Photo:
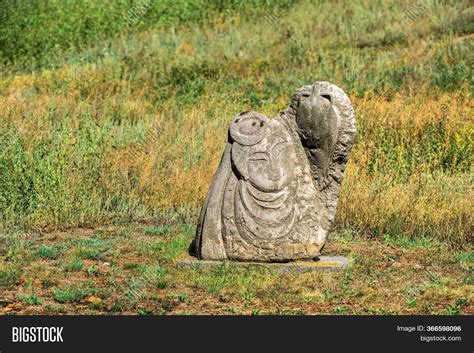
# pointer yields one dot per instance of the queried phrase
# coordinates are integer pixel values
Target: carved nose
(274, 173)
(315, 92)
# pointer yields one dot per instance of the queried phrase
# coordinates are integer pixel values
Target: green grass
(74, 25)
(30, 299)
(384, 278)
(74, 265)
(48, 252)
(68, 294)
(165, 230)
(92, 254)
(74, 293)
(9, 276)
(92, 270)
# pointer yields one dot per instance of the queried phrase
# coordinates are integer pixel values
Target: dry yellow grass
(133, 127)
(410, 171)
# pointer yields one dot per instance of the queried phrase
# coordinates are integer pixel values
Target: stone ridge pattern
(274, 195)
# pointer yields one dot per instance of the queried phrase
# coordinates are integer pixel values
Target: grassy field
(132, 270)
(113, 120)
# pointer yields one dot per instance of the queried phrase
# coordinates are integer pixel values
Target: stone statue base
(322, 263)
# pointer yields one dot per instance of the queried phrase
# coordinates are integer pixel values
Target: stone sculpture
(274, 195)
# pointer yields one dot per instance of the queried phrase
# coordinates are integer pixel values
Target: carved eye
(279, 148)
(327, 96)
(258, 156)
(303, 97)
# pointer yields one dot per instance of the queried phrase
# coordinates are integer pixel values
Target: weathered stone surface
(322, 263)
(274, 195)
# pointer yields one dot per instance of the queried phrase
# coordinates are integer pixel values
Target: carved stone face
(274, 194)
(263, 152)
(317, 123)
(271, 164)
